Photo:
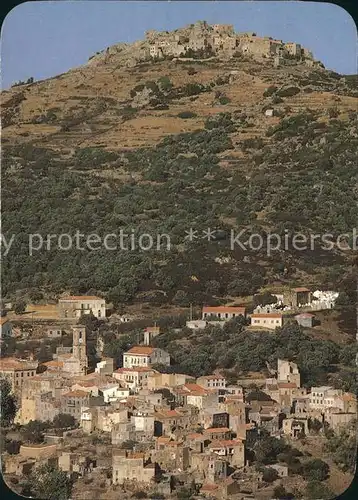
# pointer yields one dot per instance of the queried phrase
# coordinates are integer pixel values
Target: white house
(267, 320)
(145, 356)
(224, 313)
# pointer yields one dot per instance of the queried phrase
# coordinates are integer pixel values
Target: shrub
(192, 71)
(288, 91)
(224, 100)
(270, 91)
(187, 114)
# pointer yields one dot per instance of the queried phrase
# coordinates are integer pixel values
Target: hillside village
(204, 372)
(127, 425)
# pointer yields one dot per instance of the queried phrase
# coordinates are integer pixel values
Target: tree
(12, 447)
(181, 298)
(267, 449)
(315, 470)
(51, 483)
(20, 307)
(314, 425)
(263, 299)
(8, 403)
(64, 420)
(269, 475)
(343, 446)
(36, 296)
(281, 493)
(316, 489)
(33, 432)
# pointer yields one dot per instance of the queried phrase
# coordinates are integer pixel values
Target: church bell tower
(79, 347)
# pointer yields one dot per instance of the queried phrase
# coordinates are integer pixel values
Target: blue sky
(43, 39)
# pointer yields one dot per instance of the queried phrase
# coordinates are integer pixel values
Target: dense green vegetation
(292, 183)
(238, 351)
(7, 404)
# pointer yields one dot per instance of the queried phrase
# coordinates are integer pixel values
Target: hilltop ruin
(201, 40)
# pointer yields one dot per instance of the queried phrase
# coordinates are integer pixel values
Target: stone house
(233, 450)
(72, 402)
(167, 420)
(132, 466)
(143, 422)
(75, 306)
(74, 462)
(150, 333)
(336, 418)
(294, 426)
(195, 395)
(217, 433)
(171, 454)
(212, 382)
(294, 49)
(105, 366)
(287, 371)
(46, 407)
(305, 319)
(54, 332)
(133, 378)
(158, 380)
(16, 371)
(282, 470)
(123, 431)
(108, 417)
(298, 297)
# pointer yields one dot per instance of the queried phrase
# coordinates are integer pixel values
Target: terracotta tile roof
(195, 389)
(301, 289)
(53, 364)
(195, 435)
(287, 385)
(140, 350)
(216, 429)
(9, 364)
(225, 443)
(224, 309)
(266, 315)
(81, 297)
(76, 394)
(209, 487)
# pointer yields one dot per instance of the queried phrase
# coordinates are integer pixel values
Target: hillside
(162, 145)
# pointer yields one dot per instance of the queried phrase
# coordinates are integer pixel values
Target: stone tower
(79, 347)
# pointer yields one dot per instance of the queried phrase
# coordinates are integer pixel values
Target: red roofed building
(17, 370)
(146, 356)
(224, 313)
